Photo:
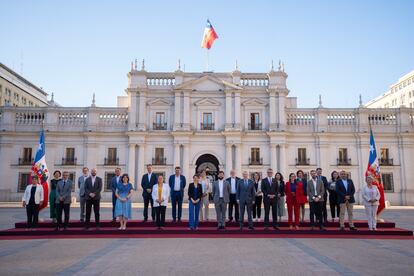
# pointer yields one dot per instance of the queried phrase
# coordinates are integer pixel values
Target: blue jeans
(176, 199)
(194, 212)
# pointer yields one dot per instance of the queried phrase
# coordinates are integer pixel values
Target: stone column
(141, 162)
(273, 157)
(131, 163)
(186, 110)
(177, 110)
(142, 111)
(132, 111)
(272, 111)
(238, 160)
(237, 110)
(281, 111)
(176, 154)
(229, 161)
(186, 162)
(229, 122)
(282, 159)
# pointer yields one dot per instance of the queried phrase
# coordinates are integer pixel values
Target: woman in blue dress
(123, 201)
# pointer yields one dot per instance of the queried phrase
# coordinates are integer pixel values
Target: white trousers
(371, 211)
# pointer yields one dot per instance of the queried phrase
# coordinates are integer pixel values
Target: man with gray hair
(245, 198)
(233, 180)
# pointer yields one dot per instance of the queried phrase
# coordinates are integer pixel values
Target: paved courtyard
(206, 256)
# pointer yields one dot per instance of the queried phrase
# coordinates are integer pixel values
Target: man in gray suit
(81, 187)
(221, 197)
(245, 198)
(315, 190)
(63, 199)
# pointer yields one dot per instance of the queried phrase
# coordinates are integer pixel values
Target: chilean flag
(373, 170)
(209, 36)
(40, 169)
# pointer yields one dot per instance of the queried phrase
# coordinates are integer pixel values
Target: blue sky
(339, 49)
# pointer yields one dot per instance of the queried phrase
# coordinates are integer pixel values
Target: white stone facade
(400, 94)
(244, 121)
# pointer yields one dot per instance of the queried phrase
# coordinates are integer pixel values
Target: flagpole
(208, 60)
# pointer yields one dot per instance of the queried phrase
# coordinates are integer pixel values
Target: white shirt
(117, 179)
(233, 185)
(270, 181)
(314, 185)
(220, 188)
(177, 182)
(93, 180)
(149, 177)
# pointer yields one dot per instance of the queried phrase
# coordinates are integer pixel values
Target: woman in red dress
(294, 195)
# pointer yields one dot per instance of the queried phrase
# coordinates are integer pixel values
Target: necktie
(245, 183)
(64, 183)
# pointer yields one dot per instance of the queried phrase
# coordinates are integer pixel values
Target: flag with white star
(373, 170)
(40, 169)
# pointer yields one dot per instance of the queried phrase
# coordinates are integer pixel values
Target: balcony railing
(111, 161)
(25, 161)
(159, 126)
(302, 162)
(386, 162)
(255, 161)
(69, 161)
(159, 161)
(256, 126)
(343, 161)
(207, 126)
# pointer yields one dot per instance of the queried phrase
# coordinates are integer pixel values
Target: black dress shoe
(57, 228)
(114, 220)
(251, 228)
(322, 228)
(241, 227)
(341, 228)
(145, 220)
(86, 228)
(98, 228)
(174, 220)
(179, 220)
(65, 228)
(276, 227)
(352, 228)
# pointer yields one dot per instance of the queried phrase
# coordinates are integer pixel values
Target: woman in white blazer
(371, 197)
(160, 195)
(32, 198)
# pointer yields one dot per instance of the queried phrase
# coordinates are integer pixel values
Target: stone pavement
(207, 256)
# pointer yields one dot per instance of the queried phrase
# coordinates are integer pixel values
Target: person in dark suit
(315, 191)
(245, 198)
(93, 188)
(114, 183)
(63, 200)
(147, 182)
(177, 184)
(272, 191)
(345, 190)
(233, 180)
(325, 195)
(333, 197)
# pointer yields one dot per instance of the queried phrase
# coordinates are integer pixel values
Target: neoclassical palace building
(208, 120)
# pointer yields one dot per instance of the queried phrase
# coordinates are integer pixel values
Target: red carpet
(139, 229)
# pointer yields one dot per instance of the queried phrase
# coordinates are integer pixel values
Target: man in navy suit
(177, 184)
(147, 182)
(114, 182)
(233, 180)
(345, 190)
(324, 180)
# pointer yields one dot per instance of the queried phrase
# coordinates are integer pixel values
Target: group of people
(241, 195)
